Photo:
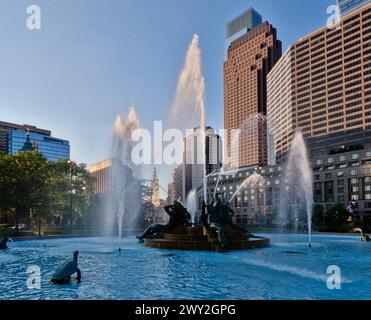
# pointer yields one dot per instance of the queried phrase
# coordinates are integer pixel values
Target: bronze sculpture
(217, 217)
(179, 216)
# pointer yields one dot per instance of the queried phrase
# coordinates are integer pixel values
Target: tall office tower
(331, 87)
(176, 192)
(244, 23)
(13, 137)
(155, 189)
(279, 109)
(194, 158)
(250, 58)
(347, 6)
(102, 171)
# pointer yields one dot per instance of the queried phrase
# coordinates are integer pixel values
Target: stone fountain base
(199, 239)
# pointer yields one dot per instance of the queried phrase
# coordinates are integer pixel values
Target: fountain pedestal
(200, 239)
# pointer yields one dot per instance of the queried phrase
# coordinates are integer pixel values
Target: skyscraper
(250, 58)
(244, 23)
(280, 109)
(194, 158)
(322, 86)
(14, 136)
(347, 6)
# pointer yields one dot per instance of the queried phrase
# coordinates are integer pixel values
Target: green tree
(73, 190)
(336, 215)
(23, 183)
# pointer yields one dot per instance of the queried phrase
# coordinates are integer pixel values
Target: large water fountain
(125, 204)
(190, 100)
(297, 188)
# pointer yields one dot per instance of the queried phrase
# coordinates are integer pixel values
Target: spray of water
(191, 204)
(297, 188)
(190, 98)
(126, 195)
(255, 180)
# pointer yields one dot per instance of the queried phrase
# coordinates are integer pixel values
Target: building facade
(279, 109)
(250, 58)
(194, 158)
(342, 177)
(102, 171)
(14, 136)
(175, 189)
(155, 189)
(242, 24)
(347, 6)
(329, 72)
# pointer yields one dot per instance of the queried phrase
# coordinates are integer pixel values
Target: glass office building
(52, 148)
(346, 6)
(241, 25)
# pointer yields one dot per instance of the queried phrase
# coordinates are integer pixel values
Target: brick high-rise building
(250, 58)
(322, 86)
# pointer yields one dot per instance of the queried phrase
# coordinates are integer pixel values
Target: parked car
(21, 226)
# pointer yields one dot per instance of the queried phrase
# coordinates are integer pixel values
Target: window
(353, 172)
(368, 196)
(342, 158)
(328, 175)
(354, 181)
(355, 156)
(330, 160)
(319, 162)
(368, 154)
(355, 197)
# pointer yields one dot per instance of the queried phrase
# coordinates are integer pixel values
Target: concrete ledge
(206, 245)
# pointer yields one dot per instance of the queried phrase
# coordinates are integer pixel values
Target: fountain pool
(288, 269)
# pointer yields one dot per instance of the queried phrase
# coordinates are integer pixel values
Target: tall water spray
(126, 195)
(297, 187)
(256, 180)
(188, 110)
(191, 204)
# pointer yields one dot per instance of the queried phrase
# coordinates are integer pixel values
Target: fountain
(297, 187)
(191, 204)
(126, 196)
(216, 217)
(255, 179)
(190, 99)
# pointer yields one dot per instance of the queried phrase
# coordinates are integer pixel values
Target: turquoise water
(288, 269)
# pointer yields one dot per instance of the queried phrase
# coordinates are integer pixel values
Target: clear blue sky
(94, 58)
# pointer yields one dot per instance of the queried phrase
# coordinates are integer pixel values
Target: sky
(93, 59)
